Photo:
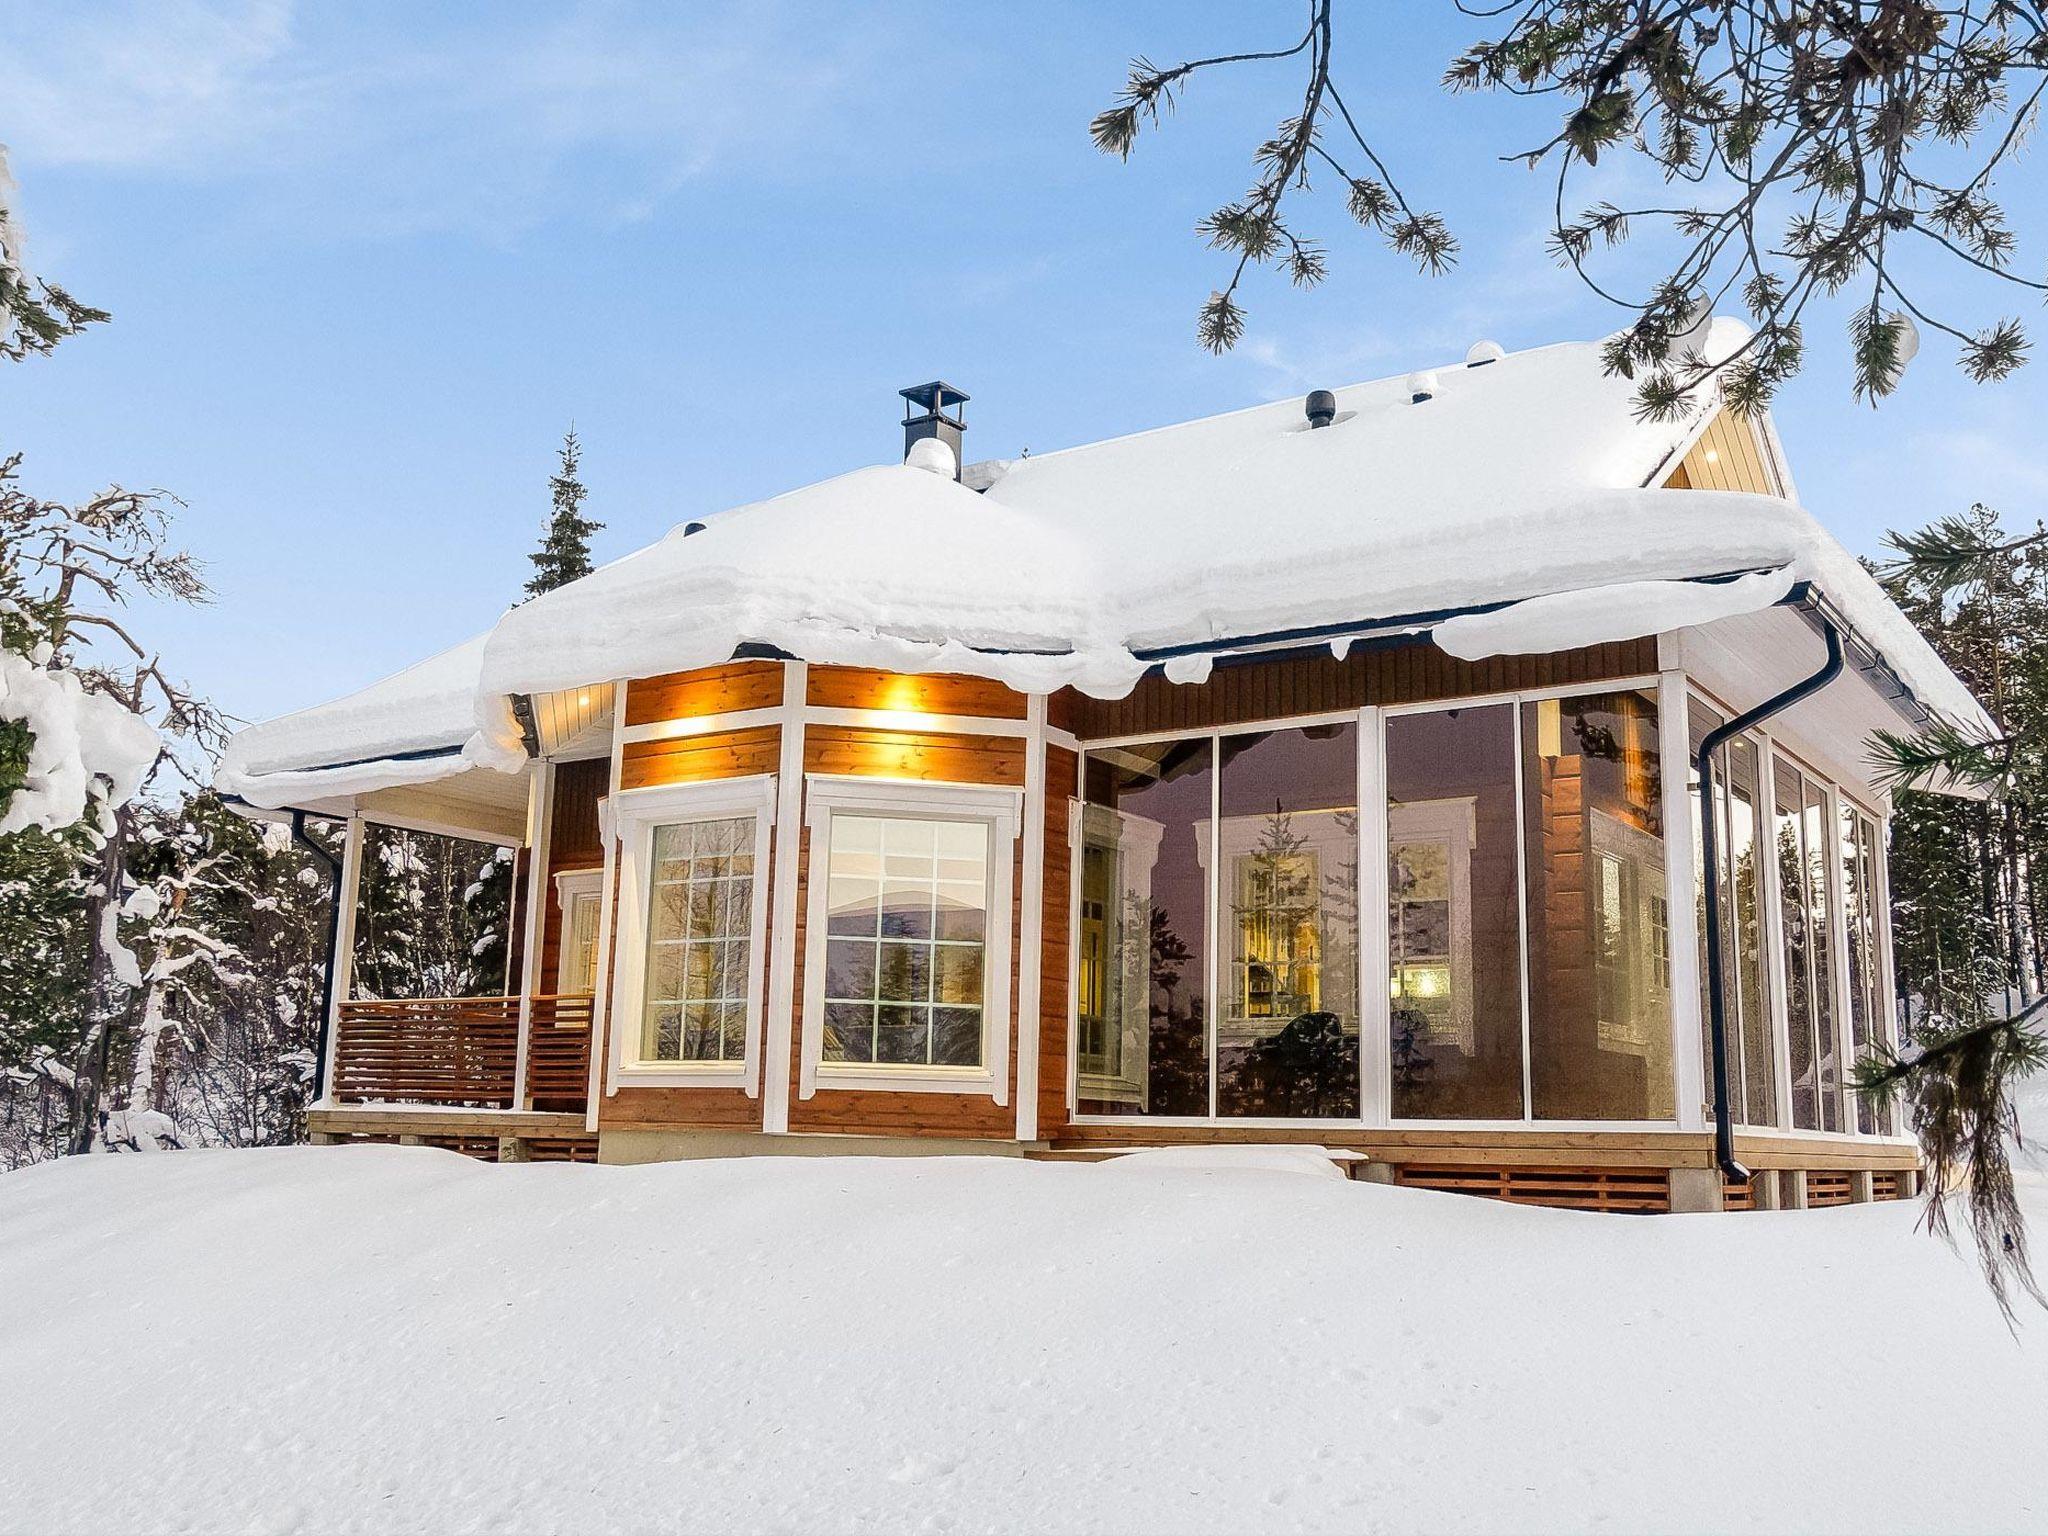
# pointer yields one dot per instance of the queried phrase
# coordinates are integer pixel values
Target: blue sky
(366, 262)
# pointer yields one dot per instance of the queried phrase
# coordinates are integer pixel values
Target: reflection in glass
(1808, 942)
(700, 917)
(1598, 915)
(906, 920)
(1859, 911)
(1453, 915)
(1143, 1044)
(1752, 1079)
(1287, 1031)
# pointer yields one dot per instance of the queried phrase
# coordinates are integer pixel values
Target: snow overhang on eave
(320, 789)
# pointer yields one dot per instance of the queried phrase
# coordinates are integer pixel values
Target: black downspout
(1710, 851)
(333, 944)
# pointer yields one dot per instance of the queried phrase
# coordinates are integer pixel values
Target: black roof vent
(690, 528)
(1321, 406)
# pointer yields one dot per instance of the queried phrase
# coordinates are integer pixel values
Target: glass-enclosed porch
(1475, 913)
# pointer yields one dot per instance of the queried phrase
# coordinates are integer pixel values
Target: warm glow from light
(1421, 981)
(582, 698)
(903, 695)
(1713, 455)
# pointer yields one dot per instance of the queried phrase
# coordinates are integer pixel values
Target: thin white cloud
(600, 109)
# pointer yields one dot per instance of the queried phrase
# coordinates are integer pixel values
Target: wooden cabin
(1322, 777)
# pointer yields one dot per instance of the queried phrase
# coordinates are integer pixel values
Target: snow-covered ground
(386, 1339)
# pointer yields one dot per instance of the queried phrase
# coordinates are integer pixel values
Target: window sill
(682, 1074)
(961, 1080)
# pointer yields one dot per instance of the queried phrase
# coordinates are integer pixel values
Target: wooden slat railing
(558, 1053)
(462, 1051)
(428, 1050)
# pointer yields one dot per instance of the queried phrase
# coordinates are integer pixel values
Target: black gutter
(333, 947)
(1710, 851)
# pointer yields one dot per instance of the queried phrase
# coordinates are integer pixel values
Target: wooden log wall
(1412, 672)
(1598, 1170)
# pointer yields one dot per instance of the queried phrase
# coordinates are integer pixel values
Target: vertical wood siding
(1729, 456)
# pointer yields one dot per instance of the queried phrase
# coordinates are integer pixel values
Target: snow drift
(387, 1339)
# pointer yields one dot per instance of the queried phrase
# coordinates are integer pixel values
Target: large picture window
(1454, 915)
(1599, 971)
(1287, 884)
(1806, 935)
(693, 912)
(906, 965)
(906, 941)
(1145, 832)
(1750, 1033)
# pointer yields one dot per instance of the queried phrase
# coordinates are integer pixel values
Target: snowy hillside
(385, 1339)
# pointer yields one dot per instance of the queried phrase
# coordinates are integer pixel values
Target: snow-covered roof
(1523, 478)
(407, 729)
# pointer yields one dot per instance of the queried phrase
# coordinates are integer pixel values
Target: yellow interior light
(1549, 728)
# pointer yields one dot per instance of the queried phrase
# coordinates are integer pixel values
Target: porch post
(344, 947)
(540, 795)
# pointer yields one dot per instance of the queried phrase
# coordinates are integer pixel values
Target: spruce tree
(564, 553)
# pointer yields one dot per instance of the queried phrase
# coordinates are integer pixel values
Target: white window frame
(572, 886)
(1001, 809)
(636, 813)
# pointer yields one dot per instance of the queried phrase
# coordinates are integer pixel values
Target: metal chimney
(1320, 407)
(933, 410)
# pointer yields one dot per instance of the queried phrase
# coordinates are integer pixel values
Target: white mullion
(1030, 923)
(1076, 852)
(607, 917)
(1522, 910)
(790, 834)
(1375, 981)
(1681, 898)
(1213, 1012)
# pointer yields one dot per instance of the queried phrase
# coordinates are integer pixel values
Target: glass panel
(1858, 836)
(1802, 854)
(906, 910)
(1145, 823)
(1287, 1024)
(1814, 846)
(1752, 1079)
(1454, 915)
(699, 929)
(1599, 989)
(579, 945)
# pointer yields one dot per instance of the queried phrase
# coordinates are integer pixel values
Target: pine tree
(564, 553)
(1969, 920)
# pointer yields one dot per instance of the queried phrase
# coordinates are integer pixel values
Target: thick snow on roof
(407, 729)
(1526, 477)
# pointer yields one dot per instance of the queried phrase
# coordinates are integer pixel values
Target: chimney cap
(1320, 407)
(936, 397)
